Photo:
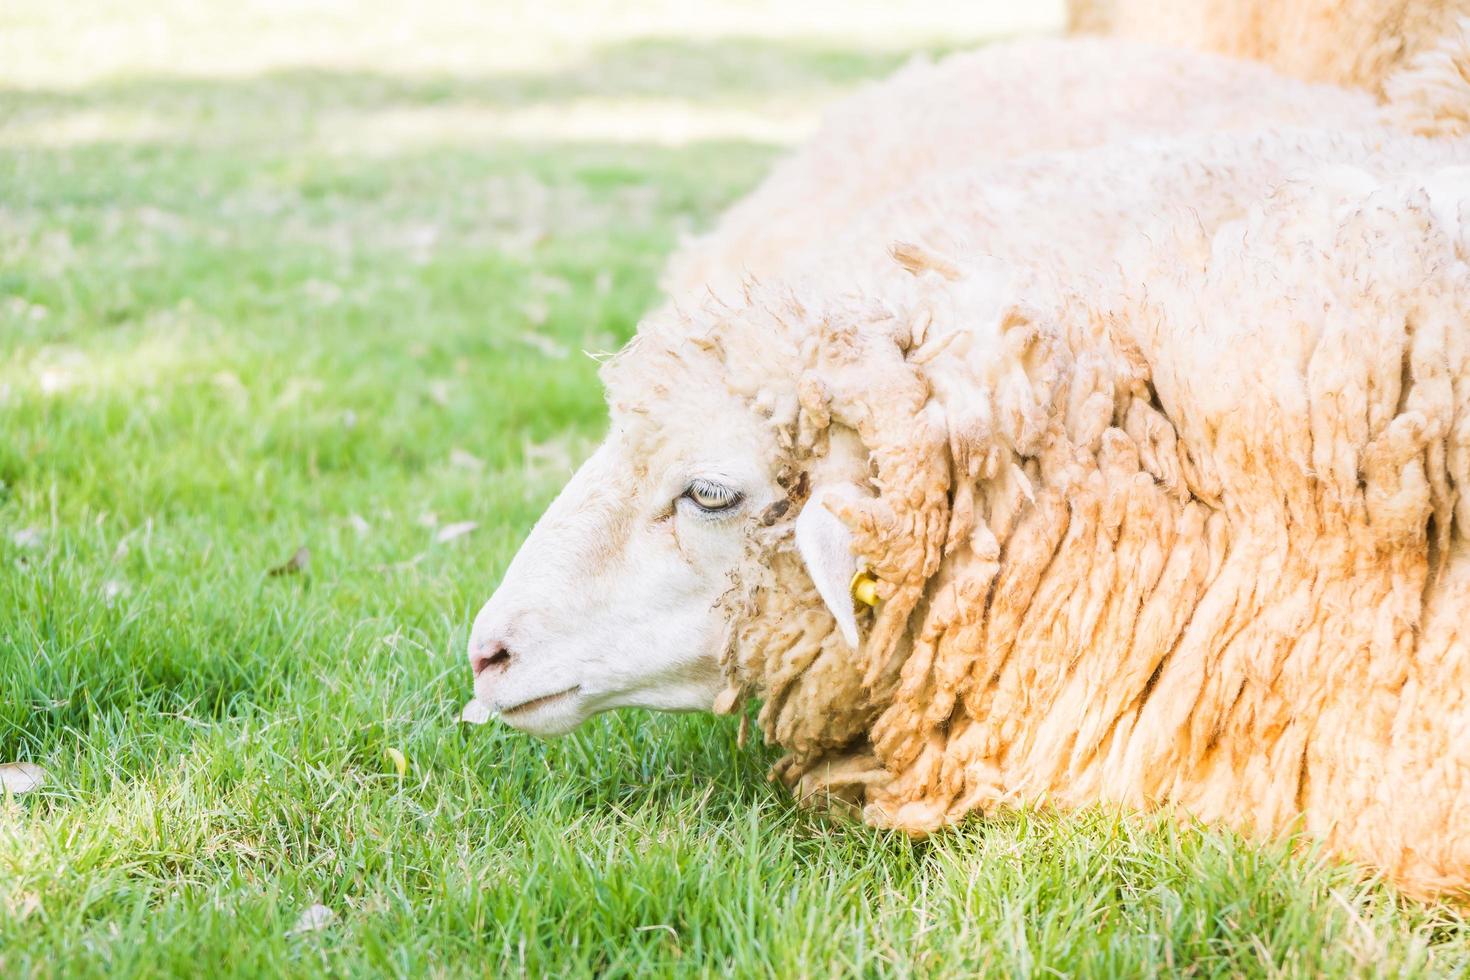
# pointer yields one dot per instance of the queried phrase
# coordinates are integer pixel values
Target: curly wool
(1431, 95)
(1119, 561)
(1346, 42)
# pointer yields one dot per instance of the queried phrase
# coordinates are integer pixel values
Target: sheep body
(1001, 102)
(1037, 96)
(1119, 561)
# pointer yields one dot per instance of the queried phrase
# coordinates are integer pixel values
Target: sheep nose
(492, 656)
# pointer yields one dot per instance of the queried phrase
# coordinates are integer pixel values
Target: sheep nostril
(497, 658)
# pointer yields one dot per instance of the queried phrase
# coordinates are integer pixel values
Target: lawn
(321, 276)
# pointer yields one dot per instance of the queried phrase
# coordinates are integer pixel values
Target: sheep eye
(711, 497)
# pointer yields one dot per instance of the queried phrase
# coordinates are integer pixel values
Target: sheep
(1148, 460)
(1346, 42)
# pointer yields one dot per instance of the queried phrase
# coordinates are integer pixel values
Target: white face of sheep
(614, 600)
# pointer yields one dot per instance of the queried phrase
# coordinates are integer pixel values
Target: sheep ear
(825, 545)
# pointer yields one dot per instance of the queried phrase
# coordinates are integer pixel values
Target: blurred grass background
(278, 275)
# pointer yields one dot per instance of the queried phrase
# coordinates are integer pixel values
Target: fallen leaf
(475, 713)
(396, 757)
(297, 563)
(21, 777)
(465, 460)
(451, 531)
(314, 919)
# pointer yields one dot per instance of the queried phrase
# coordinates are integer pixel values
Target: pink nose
(492, 656)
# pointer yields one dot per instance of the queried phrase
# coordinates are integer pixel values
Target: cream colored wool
(1347, 42)
(1026, 98)
(1002, 102)
(1431, 95)
(1120, 561)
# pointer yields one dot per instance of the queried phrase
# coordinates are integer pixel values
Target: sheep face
(750, 474)
(614, 600)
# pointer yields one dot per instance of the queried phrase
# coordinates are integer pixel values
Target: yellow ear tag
(864, 588)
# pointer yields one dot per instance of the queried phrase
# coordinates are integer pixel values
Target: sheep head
(760, 455)
(611, 601)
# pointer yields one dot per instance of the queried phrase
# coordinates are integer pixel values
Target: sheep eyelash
(711, 498)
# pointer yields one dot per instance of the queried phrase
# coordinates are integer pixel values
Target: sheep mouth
(540, 702)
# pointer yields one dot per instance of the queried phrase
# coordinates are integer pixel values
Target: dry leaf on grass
(314, 919)
(451, 531)
(21, 777)
(296, 564)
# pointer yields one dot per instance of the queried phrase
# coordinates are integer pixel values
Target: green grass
(251, 302)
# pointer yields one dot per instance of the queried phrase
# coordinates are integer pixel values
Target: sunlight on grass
(88, 126)
(79, 43)
(162, 354)
(660, 122)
